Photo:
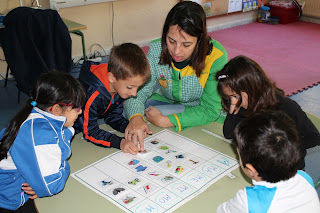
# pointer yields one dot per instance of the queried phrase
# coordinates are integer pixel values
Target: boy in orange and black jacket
(107, 86)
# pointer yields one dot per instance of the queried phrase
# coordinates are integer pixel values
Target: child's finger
(132, 137)
(147, 130)
(33, 197)
(141, 144)
(29, 192)
(135, 140)
(236, 111)
(232, 107)
(132, 149)
(126, 133)
(27, 189)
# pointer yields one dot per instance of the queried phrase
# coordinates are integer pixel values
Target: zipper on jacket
(110, 103)
(180, 86)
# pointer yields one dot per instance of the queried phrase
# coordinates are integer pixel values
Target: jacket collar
(101, 72)
(60, 120)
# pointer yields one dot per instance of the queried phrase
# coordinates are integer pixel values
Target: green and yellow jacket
(182, 86)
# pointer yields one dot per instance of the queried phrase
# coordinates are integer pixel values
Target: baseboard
(310, 19)
(213, 28)
(144, 43)
(231, 24)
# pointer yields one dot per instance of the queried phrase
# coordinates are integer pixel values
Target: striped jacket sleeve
(91, 129)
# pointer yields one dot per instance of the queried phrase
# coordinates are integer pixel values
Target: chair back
(35, 41)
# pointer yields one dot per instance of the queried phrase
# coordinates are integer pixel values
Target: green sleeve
(210, 107)
(136, 105)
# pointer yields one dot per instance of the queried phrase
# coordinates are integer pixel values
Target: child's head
(188, 19)
(242, 75)
(268, 142)
(128, 69)
(60, 94)
(55, 92)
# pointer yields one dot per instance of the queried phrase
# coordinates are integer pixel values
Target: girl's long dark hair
(242, 74)
(191, 18)
(51, 88)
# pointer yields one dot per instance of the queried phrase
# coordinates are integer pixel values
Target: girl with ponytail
(36, 145)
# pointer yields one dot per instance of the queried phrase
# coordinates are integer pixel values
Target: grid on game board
(160, 180)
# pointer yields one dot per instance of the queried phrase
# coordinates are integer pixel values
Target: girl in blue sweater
(35, 147)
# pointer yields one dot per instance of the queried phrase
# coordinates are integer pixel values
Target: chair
(35, 41)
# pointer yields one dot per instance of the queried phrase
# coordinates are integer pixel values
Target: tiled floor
(309, 100)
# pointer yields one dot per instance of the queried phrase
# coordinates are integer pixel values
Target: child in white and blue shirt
(268, 148)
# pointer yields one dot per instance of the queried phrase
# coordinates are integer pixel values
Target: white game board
(174, 170)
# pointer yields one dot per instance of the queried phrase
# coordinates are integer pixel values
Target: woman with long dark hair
(183, 61)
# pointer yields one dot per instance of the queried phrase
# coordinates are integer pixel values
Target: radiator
(311, 8)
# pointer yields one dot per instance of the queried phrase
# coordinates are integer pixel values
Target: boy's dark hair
(242, 74)
(191, 18)
(50, 88)
(269, 141)
(128, 60)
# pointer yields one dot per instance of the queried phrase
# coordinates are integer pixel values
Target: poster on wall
(248, 5)
(234, 6)
(214, 7)
(207, 6)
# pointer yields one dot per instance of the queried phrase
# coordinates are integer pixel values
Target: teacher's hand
(137, 130)
(156, 118)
